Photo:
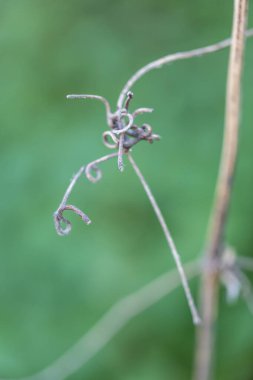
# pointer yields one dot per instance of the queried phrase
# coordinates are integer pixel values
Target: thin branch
(97, 97)
(141, 111)
(62, 225)
(158, 63)
(209, 295)
(93, 166)
(70, 187)
(171, 244)
(129, 97)
(121, 313)
(132, 305)
(120, 152)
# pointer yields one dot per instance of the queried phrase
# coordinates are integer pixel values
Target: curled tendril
(123, 133)
(127, 126)
(141, 111)
(93, 173)
(62, 225)
(107, 143)
(59, 220)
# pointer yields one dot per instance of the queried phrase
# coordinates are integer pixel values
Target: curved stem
(58, 214)
(158, 63)
(171, 244)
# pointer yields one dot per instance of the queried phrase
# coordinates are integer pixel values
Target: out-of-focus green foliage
(53, 289)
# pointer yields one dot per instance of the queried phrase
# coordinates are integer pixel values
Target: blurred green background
(53, 289)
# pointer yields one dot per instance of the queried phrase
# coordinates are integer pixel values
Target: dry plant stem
(158, 63)
(123, 311)
(98, 161)
(171, 244)
(120, 153)
(58, 214)
(70, 187)
(97, 97)
(209, 294)
(112, 322)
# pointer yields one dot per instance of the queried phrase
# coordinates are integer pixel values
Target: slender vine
(124, 134)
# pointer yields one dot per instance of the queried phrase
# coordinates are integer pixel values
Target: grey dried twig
(62, 225)
(97, 97)
(158, 63)
(125, 134)
(129, 135)
(116, 120)
(169, 239)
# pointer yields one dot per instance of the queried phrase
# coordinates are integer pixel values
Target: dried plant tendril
(107, 143)
(93, 173)
(62, 225)
(125, 133)
(141, 111)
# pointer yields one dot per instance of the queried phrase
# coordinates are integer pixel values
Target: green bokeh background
(53, 289)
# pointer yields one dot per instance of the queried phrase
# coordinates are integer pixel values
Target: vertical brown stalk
(215, 241)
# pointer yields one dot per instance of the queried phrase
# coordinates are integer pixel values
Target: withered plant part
(62, 225)
(123, 134)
